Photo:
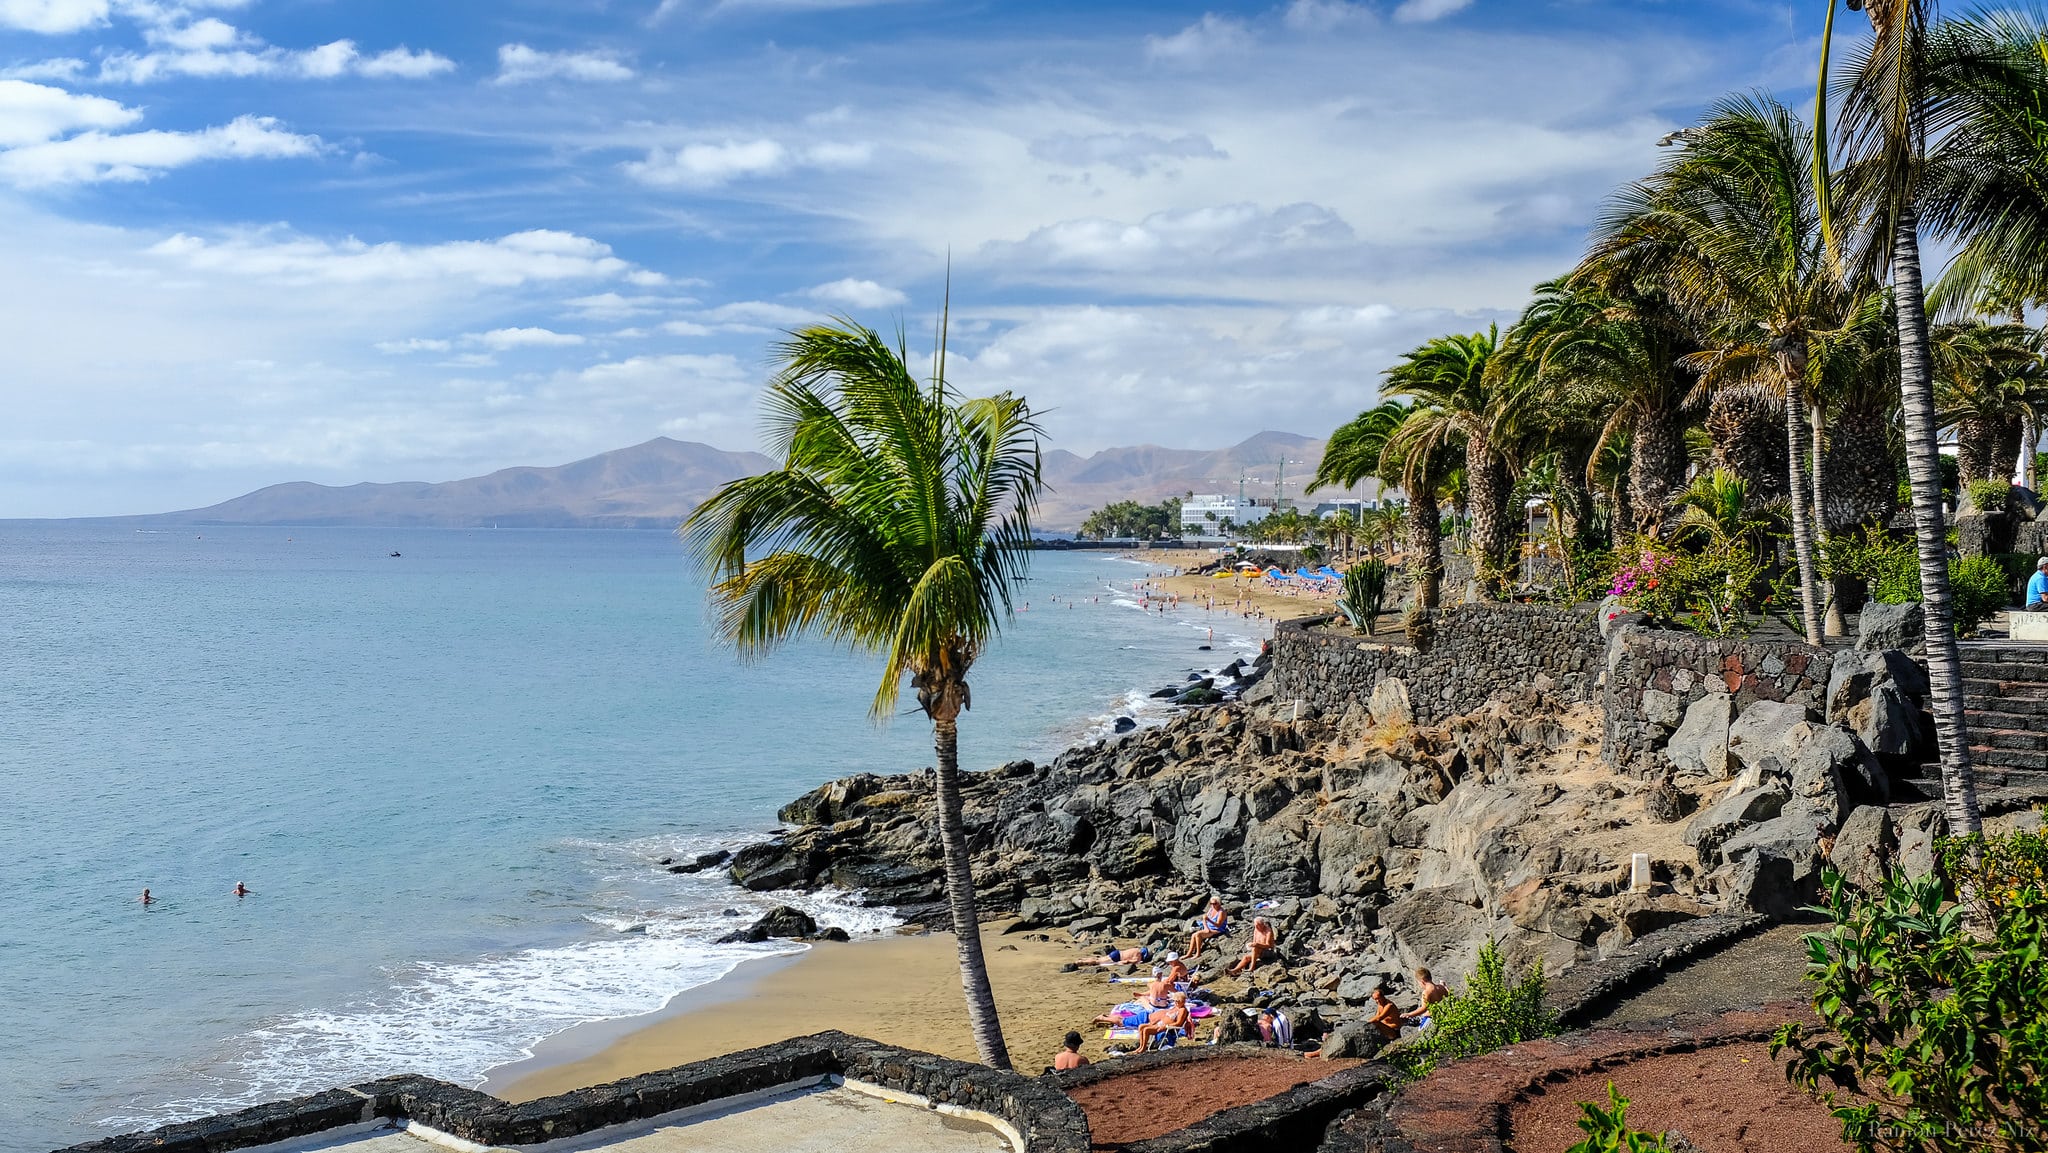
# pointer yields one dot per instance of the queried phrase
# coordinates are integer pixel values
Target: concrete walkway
(823, 1120)
(1770, 966)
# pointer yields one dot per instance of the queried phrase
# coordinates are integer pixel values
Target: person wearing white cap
(2037, 587)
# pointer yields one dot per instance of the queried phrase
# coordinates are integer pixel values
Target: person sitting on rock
(1387, 1018)
(1174, 1019)
(1214, 923)
(1177, 971)
(1135, 955)
(1258, 948)
(1431, 993)
(1070, 1053)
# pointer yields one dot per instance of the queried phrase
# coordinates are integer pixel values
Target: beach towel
(1200, 1011)
(1119, 1034)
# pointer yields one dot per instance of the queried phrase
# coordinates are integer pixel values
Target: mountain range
(656, 484)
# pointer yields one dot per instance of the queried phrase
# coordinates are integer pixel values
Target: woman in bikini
(1214, 923)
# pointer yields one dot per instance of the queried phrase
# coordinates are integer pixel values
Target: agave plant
(1365, 594)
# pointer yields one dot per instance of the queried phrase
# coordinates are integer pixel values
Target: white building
(1205, 514)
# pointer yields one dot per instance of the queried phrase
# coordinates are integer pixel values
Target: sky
(251, 241)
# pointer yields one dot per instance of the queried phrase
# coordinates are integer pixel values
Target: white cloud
(705, 166)
(52, 16)
(59, 68)
(1210, 36)
(1423, 11)
(411, 344)
(1132, 152)
(857, 294)
(761, 312)
(537, 256)
(1325, 15)
(1204, 237)
(90, 157)
(30, 113)
(518, 64)
(504, 338)
(404, 63)
(210, 47)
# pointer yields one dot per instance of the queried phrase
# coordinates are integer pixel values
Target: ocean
(445, 775)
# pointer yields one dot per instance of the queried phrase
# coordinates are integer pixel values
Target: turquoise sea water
(445, 775)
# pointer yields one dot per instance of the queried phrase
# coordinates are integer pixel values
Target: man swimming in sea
(241, 890)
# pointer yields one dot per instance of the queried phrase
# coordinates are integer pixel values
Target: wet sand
(902, 990)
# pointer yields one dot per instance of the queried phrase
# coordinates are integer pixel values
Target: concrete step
(1987, 720)
(2005, 670)
(2017, 740)
(2000, 758)
(2009, 705)
(1992, 687)
(2029, 654)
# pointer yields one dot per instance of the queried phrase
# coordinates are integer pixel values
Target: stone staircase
(2005, 706)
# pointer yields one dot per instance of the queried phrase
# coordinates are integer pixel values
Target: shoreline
(902, 990)
(1272, 605)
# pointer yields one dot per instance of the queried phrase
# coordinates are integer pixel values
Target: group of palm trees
(1757, 295)
(1753, 311)
(1346, 531)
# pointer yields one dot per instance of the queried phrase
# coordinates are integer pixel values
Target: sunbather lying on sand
(1258, 948)
(1135, 955)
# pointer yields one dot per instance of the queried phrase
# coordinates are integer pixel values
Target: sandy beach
(1235, 596)
(904, 990)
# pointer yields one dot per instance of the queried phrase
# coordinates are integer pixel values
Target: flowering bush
(1717, 592)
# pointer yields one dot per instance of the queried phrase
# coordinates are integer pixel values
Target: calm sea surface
(444, 775)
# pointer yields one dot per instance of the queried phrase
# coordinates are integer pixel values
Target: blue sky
(260, 240)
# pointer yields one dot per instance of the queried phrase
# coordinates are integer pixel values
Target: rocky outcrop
(1374, 845)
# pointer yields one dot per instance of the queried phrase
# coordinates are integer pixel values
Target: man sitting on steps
(2037, 587)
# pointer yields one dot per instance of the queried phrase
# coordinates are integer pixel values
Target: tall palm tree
(1343, 529)
(1458, 399)
(1735, 224)
(1370, 446)
(898, 523)
(1891, 120)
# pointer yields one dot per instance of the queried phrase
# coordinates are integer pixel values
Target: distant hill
(652, 485)
(656, 484)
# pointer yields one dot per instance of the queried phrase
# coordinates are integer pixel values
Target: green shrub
(1992, 872)
(1365, 593)
(1607, 1130)
(1990, 495)
(1980, 588)
(1490, 1014)
(1719, 591)
(1938, 1026)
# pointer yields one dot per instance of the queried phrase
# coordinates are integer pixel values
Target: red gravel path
(1729, 1099)
(1154, 1102)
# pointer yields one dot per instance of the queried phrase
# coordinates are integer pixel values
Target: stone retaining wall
(1653, 674)
(1463, 1107)
(1479, 649)
(1294, 1119)
(1041, 1114)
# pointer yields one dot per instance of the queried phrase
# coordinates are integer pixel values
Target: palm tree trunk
(1486, 473)
(1923, 472)
(1802, 529)
(1832, 624)
(1425, 547)
(981, 997)
(2030, 435)
(1656, 468)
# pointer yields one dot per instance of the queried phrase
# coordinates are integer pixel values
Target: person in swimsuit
(1214, 923)
(147, 900)
(1177, 971)
(241, 890)
(1386, 1016)
(1171, 1020)
(1431, 994)
(1135, 955)
(1070, 1053)
(1262, 942)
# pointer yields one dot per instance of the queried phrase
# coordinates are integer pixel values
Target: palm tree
(1457, 399)
(899, 523)
(1889, 115)
(1735, 224)
(1343, 529)
(1370, 445)
(1988, 383)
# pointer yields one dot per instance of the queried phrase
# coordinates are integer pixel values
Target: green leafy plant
(1607, 1129)
(1981, 588)
(1990, 495)
(1722, 590)
(1492, 1012)
(1365, 594)
(1994, 871)
(1934, 1031)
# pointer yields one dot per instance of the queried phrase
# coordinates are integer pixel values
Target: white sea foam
(457, 1021)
